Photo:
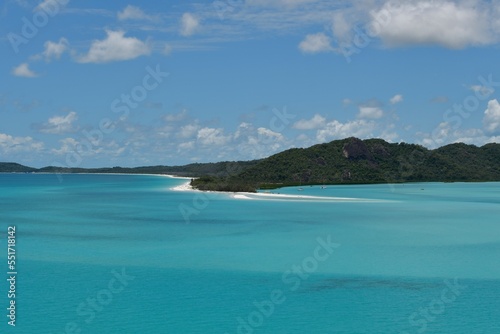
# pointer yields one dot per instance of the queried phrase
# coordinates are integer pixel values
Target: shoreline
(259, 196)
(143, 174)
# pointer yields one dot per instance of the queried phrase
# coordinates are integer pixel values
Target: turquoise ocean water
(126, 254)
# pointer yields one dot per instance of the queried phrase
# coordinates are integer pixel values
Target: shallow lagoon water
(398, 248)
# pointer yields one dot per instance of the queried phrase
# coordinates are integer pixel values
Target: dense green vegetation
(10, 167)
(355, 161)
(347, 161)
(213, 183)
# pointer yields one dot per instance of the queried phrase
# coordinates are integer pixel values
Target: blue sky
(97, 83)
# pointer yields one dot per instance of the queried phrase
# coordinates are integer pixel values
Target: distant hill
(219, 169)
(11, 167)
(355, 161)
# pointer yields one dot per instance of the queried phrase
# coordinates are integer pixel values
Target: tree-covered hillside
(352, 161)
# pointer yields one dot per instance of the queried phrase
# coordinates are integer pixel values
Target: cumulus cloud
(54, 50)
(249, 142)
(115, 47)
(132, 13)
(446, 133)
(68, 145)
(11, 144)
(23, 70)
(316, 43)
(454, 25)
(337, 130)
(370, 112)
(309, 124)
(188, 131)
(396, 99)
(59, 124)
(211, 136)
(269, 134)
(491, 118)
(189, 24)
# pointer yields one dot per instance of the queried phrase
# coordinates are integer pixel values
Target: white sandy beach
(184, 187)
(259, 196)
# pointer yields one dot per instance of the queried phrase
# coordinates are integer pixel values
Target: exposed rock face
(356, 149)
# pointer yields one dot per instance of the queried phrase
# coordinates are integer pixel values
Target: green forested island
(346, 161)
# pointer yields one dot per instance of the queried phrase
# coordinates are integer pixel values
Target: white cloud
(370, 112)
(186, 146)
(51, 6)
(439, 136)
(341, 26)
(483, 90)
(347, 102)
(315, 43)
(132, 13)
(269, 134)
(313, 123)
(337, 130)
(242, 130)
(115, 47)
(10, 144)
(210, 136)
(491, 118)
(189, 24)
(68, 145)
(59, 124)
(445, 134)
(55, 49)
(454, 25)
(249, 142)
(176, 117)
(396, 99)
(278, 3)
(188, 131)
(23, 70)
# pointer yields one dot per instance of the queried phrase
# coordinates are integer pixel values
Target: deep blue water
(126, 254)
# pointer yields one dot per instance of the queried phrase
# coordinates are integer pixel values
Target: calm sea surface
(126, 254)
